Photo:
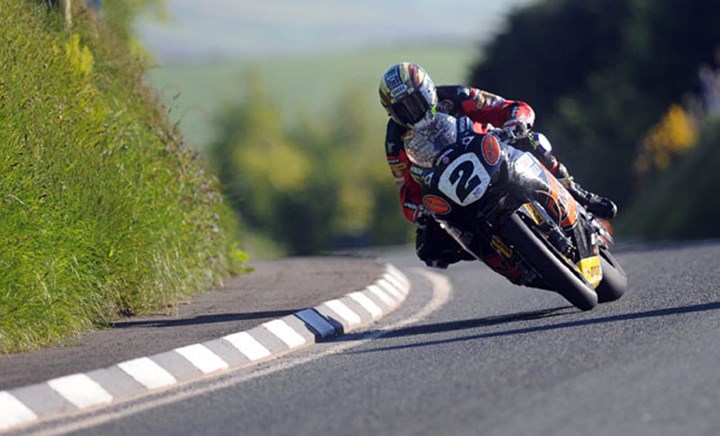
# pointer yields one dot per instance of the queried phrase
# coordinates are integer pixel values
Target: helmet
(407, 93)
(429, 136)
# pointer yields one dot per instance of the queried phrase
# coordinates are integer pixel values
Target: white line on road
(344, 312)
(249, 346)
(202, 358)
(80, 390)
(285, 333)
(367, 304)
(13, 412)
(148, 373)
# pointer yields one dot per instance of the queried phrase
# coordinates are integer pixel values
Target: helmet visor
(411, 109)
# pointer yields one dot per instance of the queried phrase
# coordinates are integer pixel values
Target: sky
(253, 29)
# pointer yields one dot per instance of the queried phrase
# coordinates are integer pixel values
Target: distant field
(193, 93)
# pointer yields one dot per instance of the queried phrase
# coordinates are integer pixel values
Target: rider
(412, 101)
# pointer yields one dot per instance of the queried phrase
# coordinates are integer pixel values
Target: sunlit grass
(102, 210)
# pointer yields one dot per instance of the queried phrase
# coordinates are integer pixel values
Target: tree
(600, 74)
(321, 185)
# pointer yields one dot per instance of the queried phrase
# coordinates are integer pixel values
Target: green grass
(102, 210)
(195, 93)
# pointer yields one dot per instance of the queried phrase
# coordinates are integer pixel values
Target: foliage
(681, 203)
(671, 137)
(103, 210)
(312, 187)
(80, 57)
(600, 74)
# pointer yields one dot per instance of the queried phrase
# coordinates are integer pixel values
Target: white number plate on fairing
(465, 180)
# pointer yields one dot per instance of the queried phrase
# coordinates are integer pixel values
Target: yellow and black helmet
(407, 93)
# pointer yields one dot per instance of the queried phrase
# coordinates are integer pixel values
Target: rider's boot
(597, 205)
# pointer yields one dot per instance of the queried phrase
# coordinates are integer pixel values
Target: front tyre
(536, 253)
(614, 282)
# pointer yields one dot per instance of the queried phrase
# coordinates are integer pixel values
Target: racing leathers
(488, 111)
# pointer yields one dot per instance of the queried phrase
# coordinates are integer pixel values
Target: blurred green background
(627, 90)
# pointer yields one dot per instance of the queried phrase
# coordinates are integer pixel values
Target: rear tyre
(614, 282)
(535, 252)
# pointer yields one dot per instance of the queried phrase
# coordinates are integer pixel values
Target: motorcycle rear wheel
(536, 253)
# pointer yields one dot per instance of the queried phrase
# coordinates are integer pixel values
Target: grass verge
(103, 211)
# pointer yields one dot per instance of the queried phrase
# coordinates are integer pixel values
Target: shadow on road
(479, 322)
(528, 316)
(202, 319)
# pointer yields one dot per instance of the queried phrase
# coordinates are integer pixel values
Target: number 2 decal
(465, 180)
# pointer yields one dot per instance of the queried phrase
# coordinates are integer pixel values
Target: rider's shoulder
(454, 92)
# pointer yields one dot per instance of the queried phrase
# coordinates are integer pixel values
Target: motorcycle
(499, 202)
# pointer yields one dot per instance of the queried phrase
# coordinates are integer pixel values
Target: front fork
(483, 244)
(464, 239)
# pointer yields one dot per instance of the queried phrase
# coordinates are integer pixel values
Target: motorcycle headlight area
(527, 166)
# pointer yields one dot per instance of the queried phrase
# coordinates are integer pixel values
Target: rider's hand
(515, 129)
(422, 217)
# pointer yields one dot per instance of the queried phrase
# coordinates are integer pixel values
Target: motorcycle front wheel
(534, 250)
(614, 282)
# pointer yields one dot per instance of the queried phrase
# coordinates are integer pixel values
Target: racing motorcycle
(501, 203)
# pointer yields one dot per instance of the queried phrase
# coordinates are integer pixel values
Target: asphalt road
(484, 358)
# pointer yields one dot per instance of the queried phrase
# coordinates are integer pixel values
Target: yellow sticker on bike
(534, 213)
(500, 247)
(591, 270)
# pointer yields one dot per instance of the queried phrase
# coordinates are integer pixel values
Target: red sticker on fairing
(436, 204)
(491, 149)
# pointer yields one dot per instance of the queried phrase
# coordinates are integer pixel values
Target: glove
(427, 234)
(422, 217)
(516, 129)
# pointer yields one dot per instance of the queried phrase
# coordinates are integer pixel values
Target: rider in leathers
(409, 96)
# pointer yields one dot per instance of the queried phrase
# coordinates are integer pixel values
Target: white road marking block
(388, 286)
(402, 278)
(345, 312)
(202, 358)
(394, 281)
(80, 390)
(367, 304)
(248, 345)
(148, 373)
(382, 295)
(13, 412)
(317, 322)
(285, 333)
